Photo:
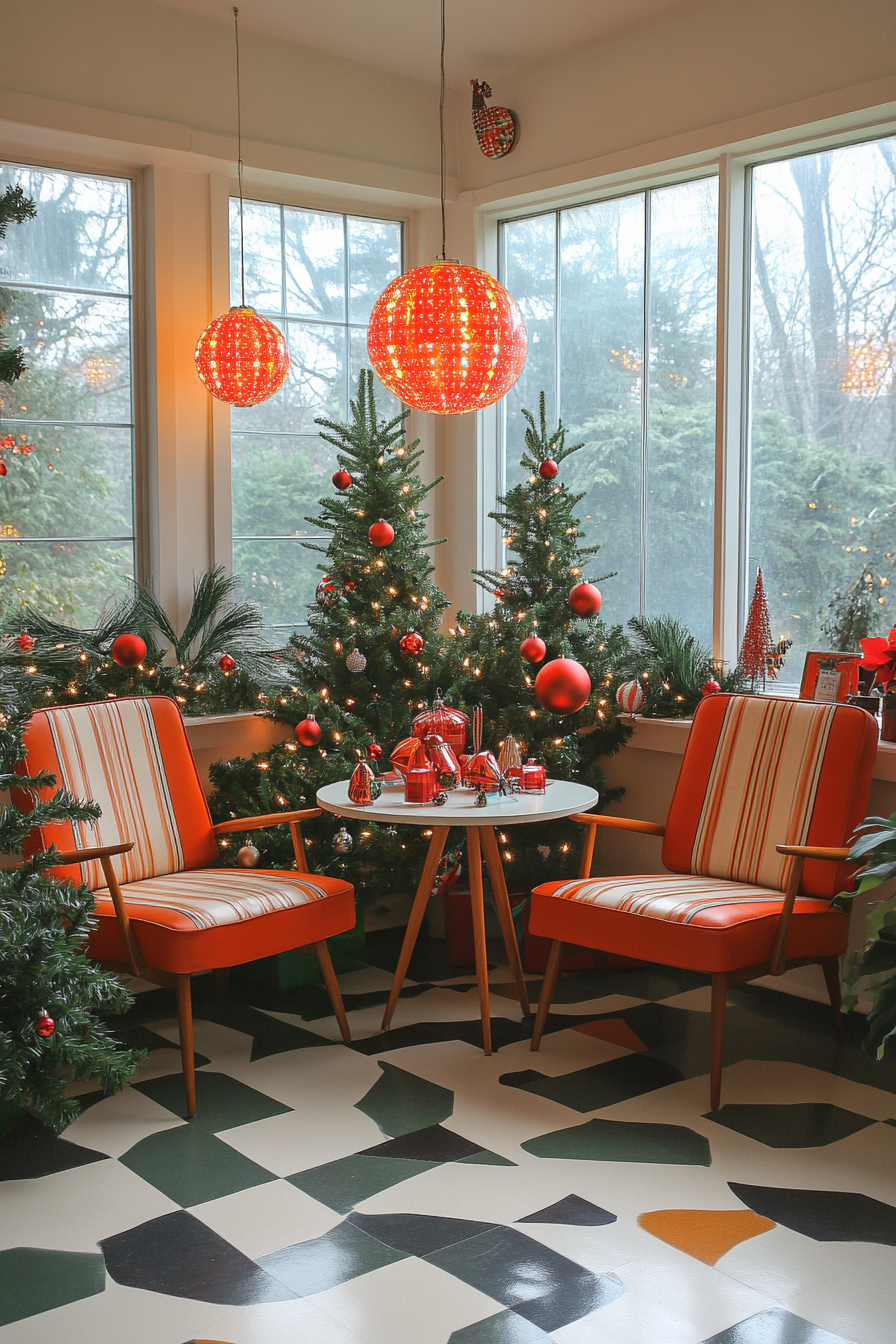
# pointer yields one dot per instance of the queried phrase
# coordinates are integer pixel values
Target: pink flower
(879, 656)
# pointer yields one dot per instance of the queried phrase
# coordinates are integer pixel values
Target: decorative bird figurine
(495, 127)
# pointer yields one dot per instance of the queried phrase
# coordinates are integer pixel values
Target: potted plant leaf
(875, 848)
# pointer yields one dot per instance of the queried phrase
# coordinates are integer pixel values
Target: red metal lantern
(451, 725)
(242, 357)
(447, 338)
(420, 785)
(410, 754)
(363, 788)
(443, 758)
(482, 772)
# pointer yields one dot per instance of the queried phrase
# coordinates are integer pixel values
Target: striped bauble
(630, 696)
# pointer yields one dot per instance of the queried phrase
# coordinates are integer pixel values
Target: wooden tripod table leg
(502, 902)
(477, 909)
(433, 856)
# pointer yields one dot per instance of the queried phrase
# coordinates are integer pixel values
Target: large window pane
(823, 413)
(315, 265)
(65, 300)
(277, 481)
(529, 271)
(280, 576)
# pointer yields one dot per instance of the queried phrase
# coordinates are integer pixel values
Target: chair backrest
(760, 771)
(132, 757)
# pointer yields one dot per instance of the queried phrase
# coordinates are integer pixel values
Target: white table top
(560, 799)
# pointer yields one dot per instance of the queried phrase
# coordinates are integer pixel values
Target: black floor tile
(343, 1253)
(600, 1084)
(29, 1149)
(823, 1215)
(418, 1233)
(504, 1032)
(776, 1326)
(433, 1144)
(805, 1124)
(573, 1211)
(180, 1256)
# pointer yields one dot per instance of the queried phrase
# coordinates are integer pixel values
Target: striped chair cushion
(703, 901)
(213, 897)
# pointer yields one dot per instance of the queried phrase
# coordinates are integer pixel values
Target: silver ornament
(248, 856)
(342, 842)
(356, 662)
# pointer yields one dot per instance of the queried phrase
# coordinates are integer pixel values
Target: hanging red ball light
(447, 338)
(562, 686)
(585, 599)
(533, 649)
(128, 650)
(242, 357)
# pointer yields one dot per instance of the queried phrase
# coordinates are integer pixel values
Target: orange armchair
(162, 912)
(768, 794)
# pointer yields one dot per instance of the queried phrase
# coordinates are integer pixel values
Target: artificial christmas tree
(760, 655)
(672, 669)
(357, 670)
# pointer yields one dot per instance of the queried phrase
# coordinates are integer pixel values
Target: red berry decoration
(548, 469)
(45, 1025)
(24, 642)
(585, 599)
(533, 649)
(2, 468)
(381, 534)
(308, 732)
(226, 663)
(411, 643)
(374, 751)
(341, 479)
(710, 687)
(128, 650)
(350, 586)
(562, 686)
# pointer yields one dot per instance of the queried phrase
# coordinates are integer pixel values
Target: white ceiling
(485, 38)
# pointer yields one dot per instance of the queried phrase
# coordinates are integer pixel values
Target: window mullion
(645, 407)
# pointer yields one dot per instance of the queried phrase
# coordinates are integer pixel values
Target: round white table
(561, 799)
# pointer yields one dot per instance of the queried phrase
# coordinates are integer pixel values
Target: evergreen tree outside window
(67, 507)
(316, 275)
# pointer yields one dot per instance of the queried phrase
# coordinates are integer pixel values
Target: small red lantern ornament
(447, 338)
(45, 1024)
(242, 357)
(630, 696)
(226, 663)
(710, 687)
(562, 686)
(446, 764)
(24, 642)
(483, 773)
(411, 644)
(128, 650)
(533, 649)
(421, 785)
(381, 534)
(341, 479)
(410, 754)
(363, 788)
(548, 469)
(452, 725)
(585, 599)
(308, 732)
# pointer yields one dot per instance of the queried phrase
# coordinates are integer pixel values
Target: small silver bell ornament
(342, 841)
(248, 856)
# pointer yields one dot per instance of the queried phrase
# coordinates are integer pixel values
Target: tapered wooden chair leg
(831, 968)
(185, 1026)
(717, 1038)
(546, 996)
(329, 977)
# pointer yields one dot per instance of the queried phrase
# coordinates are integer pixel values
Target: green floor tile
(487, 1159)
(624, 1141)
(505, 1328)
(343, 1253)
(600, 1085)
(221, 1101)
(400, 1102)
(349, 1180)
(806, 1124)
(191, 1166)
(33, 1281)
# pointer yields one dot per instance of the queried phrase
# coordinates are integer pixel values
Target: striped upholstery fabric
(213, 897)
(110, 752)
(676, 899)
(761, 790)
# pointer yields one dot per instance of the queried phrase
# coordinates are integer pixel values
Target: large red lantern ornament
(128, 650)
(562, 686)
(242, 357)
(452, 725)
(585, 599)
(447, 338)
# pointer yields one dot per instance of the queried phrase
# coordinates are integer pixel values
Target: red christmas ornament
(226, 663)
(585, 599)
(242, 358)
(45, 1025)
(350, 586)
(410, 754)
(451, 725)
(411, 644)
(308, 732)
(341, 479)
(533, 649)
(447, 338)
(2, 468)
(381, 534)
(24, 642)
(548, 469)
(128, 650)
(374, 751)
(710, 687)
(562, 686)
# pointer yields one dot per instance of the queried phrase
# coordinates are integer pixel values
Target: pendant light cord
(442, 127)
(239, 153)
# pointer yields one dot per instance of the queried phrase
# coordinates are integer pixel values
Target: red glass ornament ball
(381, 534)
(533, 649)
(226, 663)
(350, 586)
(45, 1025)
(710, 687)
(24, 642)
(341, 479)
(411, 643)
(2, 468)
(562, 686)
(308, 732)
(585, 599)
(374, 751)
(128, 650)
(548, 469)
(447, 338)
(242, 358)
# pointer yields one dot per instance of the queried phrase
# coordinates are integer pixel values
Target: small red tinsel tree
(757, 648)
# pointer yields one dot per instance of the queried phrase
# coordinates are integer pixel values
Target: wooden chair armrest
(619, 823)
(257, 823)
(834, 854)
(98, 852)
